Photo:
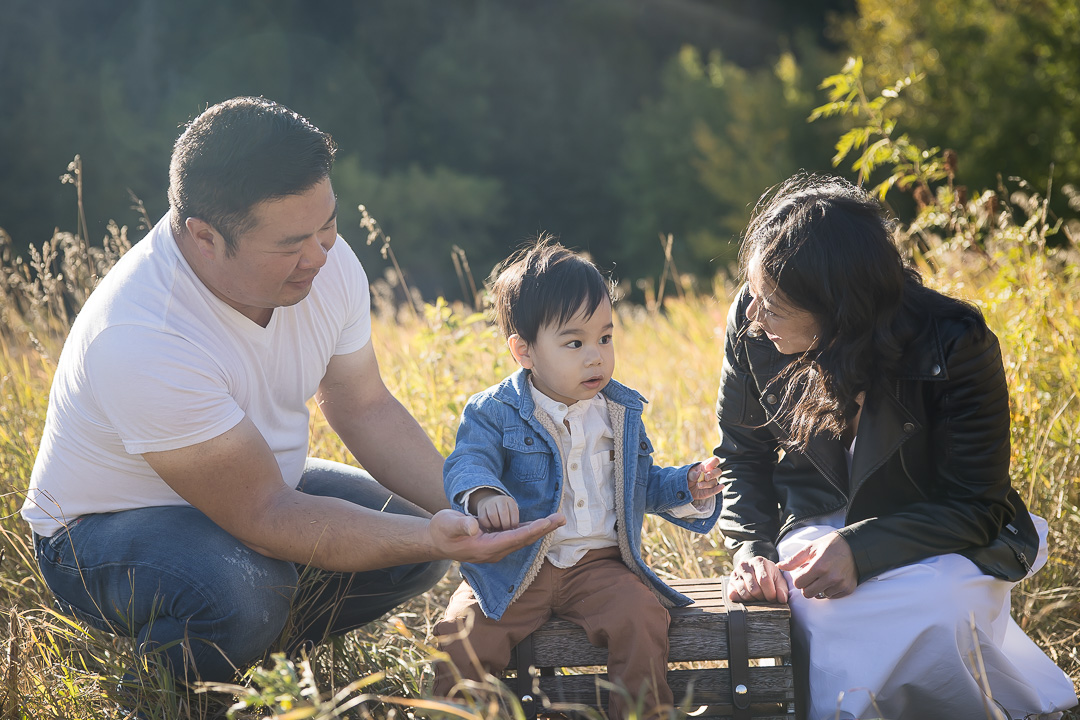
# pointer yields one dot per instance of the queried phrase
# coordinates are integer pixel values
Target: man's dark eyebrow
(297, 239)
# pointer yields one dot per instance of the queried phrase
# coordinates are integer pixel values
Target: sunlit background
(480, 123)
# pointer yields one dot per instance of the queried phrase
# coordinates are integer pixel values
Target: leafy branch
(913, 168)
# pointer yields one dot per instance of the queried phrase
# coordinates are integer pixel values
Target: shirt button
(573, 466)
(528, 441)
(581, 503)
(643, 446)
(681, 495)
(909, 427)
(936, 370)
(771, 399)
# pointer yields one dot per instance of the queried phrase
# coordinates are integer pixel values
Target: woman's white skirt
(929, 640)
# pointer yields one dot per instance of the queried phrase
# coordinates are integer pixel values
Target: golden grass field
(433, 360)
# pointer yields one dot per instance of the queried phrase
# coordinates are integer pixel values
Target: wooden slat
(560, 643)
(698, 632)
(712, 687)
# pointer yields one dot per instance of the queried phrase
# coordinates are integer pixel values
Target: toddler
(560, 435)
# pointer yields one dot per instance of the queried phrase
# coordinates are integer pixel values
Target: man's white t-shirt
(155, 361)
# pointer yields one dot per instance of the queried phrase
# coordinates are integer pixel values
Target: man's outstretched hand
(458, 536)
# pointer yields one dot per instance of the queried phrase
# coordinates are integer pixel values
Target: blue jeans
(183, 587)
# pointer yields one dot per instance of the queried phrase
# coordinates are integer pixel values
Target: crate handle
(738, 655)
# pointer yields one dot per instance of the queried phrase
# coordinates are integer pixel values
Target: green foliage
(1001, 82)
(909, 164)
(292, 693)
(430, 212)
(945, 209)
(700, 154)
(480, 121)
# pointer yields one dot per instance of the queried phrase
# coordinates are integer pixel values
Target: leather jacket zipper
(786, 527)
(1020, 554)
(900, 452)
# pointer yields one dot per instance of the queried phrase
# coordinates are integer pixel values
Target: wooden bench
(748, 671)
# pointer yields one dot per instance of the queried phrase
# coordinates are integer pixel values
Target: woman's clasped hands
(824, 569)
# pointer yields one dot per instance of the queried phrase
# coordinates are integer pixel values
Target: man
(172, 498)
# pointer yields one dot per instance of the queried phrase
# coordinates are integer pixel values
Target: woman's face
(790, 328)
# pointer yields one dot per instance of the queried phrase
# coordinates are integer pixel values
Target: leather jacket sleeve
(750, 517)
(966, 490)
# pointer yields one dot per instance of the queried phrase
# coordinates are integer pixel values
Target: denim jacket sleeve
(667, 488)
(676, 480)
(477, 459)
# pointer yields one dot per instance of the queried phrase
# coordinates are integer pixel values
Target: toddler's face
(573, 361)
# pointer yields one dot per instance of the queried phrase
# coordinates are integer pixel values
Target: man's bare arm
(235, 480)
(379, 431)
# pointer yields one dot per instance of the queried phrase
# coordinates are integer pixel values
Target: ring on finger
(822, 596)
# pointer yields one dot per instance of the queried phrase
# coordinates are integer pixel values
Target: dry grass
(51, 667)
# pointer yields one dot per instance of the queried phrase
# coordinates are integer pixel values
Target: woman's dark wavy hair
(240, 153)
(828, 247)
(544, 284)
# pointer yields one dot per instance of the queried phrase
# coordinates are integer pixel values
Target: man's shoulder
(145, 311)
(138, 286)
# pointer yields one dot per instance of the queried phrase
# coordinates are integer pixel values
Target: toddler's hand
(497, 512)
(703, 480)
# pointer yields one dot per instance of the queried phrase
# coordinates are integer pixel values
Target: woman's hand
(823, 569)
(757, 579)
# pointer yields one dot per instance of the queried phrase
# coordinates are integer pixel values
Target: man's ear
(520, 350)
(208, 241)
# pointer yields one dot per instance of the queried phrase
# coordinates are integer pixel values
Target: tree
(697, 157)
(1002, 84)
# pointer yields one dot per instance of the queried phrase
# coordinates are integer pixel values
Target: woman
(864, 427)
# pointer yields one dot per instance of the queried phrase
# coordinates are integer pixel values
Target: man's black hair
(240, 153)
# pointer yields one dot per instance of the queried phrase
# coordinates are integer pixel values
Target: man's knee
(208, 629)
(418, 578)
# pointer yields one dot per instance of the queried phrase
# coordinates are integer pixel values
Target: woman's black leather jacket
(930, 472)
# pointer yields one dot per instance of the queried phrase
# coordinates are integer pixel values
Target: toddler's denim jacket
(505, 442)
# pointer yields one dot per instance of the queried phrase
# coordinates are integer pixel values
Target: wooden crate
(698, 634)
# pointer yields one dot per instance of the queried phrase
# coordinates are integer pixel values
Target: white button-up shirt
(587, 448)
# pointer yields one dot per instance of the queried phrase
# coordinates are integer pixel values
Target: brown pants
(599, 593)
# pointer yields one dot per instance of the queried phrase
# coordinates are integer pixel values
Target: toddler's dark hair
(544, 284)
